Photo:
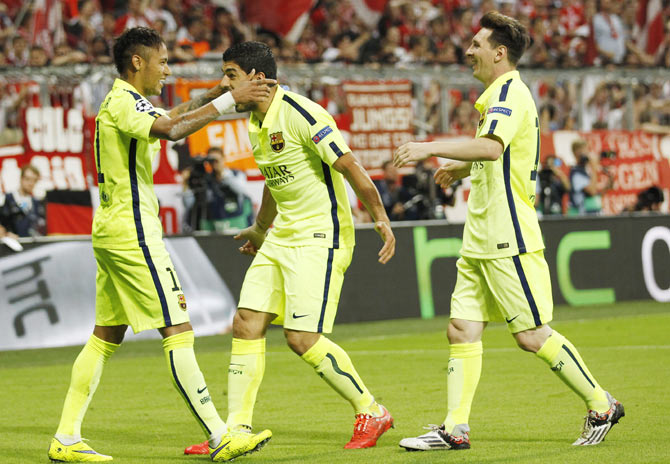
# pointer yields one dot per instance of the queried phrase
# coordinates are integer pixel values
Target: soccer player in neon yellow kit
(502, 273)
(298, 269)
(136, 282)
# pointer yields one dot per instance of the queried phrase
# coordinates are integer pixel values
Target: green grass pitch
(522, 412)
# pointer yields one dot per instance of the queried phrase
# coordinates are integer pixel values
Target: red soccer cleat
(368, 429)
(200, 448)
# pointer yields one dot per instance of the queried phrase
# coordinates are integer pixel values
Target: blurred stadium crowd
(566, 33)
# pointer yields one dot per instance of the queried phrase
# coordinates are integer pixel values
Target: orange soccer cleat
(200, 448)
(368, 429)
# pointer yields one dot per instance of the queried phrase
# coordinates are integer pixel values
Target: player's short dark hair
(253, 55)
(132, 42)
(508, 32)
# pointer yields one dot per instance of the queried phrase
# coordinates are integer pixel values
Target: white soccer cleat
(597, 425)
(439, 439)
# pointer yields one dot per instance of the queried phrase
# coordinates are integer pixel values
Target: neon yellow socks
(565, 361)
(86, 373)
(245, 373)
(464, 370)
(333, 364)
(190, 383)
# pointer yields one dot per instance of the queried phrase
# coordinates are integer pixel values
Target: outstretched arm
(366, 191)
(477, 149)
(188, 117)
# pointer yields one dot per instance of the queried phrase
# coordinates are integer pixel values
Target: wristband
(224, 103)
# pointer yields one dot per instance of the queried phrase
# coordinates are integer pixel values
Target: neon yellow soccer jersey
(128, 213)
(501, 218)
(295, 147)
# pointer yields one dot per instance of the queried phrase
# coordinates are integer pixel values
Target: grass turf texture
(522, 412)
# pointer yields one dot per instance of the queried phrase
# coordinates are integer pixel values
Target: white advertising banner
(47, 294)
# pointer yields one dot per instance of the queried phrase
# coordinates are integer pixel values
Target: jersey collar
(483, 99)
(124, 85)
(255, 124)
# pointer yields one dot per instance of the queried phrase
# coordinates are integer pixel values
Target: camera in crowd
(608, 154)
(201, 173)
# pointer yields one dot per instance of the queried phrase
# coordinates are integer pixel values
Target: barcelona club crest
(277, 141)
(182, 301)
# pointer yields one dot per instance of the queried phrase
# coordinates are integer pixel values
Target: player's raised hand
(450, 172)
(252, 90)
(409, 153)
(383, 228)
(254, 235)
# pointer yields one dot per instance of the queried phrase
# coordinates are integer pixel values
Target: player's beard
(246, 107)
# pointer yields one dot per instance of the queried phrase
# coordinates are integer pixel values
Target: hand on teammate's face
(251, 89)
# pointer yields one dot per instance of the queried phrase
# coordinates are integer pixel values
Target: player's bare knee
(111, 334)
(461, 331)
(532, 340)
(300, 342)
(249, 325)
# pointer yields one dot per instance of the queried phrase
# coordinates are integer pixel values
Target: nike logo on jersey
(200, 390)
(298, 316)
(509, 321)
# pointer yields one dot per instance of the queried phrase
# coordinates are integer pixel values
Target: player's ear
(136, 62)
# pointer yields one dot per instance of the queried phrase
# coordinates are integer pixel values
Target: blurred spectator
(10, 101)
(6, 24)
(649, 200)
(4, 232)
(64, 55)
(22, 213)
(390, 190)
(156, 11)
(585, 192)
(609, 34)
(194, 34)
(216, 197)
(228, 30)
(18, 54)
(552, 185)
(345, 47)
(38, 57)
(134, 16)
(99, 52)
(597, 111)
(86, 24)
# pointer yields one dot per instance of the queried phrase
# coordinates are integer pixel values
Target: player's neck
(263, 107)
(134, 80)
(499, 71)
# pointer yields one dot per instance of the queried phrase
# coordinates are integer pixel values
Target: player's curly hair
(253, 55)
(508, 32)
(132, 42)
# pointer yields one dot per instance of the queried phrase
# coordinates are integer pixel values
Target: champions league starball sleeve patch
(143, 106)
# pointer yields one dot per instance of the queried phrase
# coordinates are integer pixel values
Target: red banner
(634, 160)
(381, 118)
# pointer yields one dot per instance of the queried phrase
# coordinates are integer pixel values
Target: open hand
(252, 90)
(383, 228)
(410, 152)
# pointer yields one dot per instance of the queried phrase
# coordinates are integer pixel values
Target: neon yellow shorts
(139, 288)
(516, 290)
(301, 285)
